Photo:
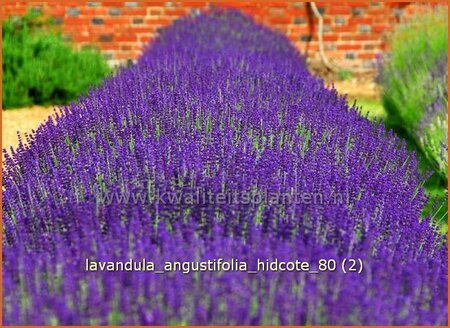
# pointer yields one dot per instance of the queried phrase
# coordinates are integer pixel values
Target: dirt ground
(358, 89)
(25, 120)
(356, 85)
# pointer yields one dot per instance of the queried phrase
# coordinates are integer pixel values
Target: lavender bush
(220, 104)
(414, 78)
(432, 129)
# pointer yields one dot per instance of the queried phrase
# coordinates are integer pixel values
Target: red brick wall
(354, 31)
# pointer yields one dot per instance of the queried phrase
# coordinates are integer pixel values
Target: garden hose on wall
(331, 67)
(323, 57)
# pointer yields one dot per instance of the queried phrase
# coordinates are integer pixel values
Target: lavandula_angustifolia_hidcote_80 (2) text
(221, 103)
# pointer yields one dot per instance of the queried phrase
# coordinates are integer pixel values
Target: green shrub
(39, 67)
(414, 78)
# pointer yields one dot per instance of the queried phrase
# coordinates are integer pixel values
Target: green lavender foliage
(414, 80)
(410, 85)
(40, 67)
